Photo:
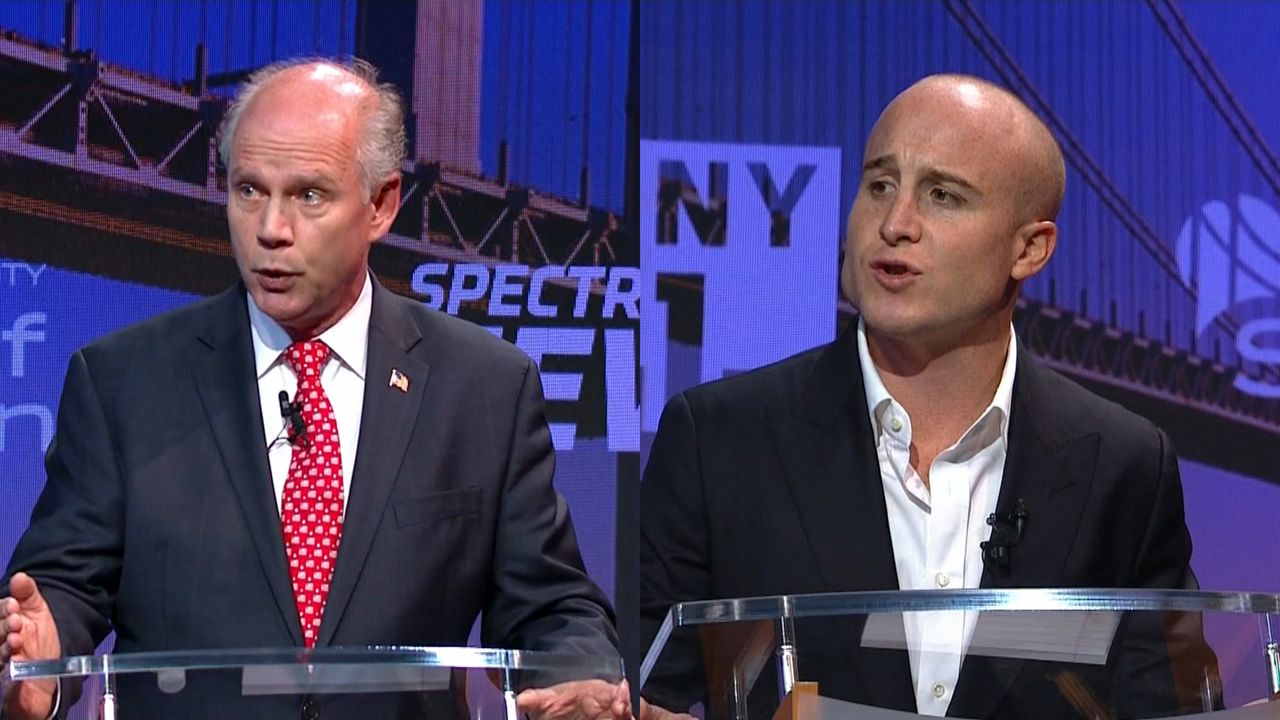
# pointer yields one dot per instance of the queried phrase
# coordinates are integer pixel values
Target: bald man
(404, 491)
(872, 463)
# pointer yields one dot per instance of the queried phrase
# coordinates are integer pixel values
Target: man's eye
(310, 196)
(878, 187)
(944, 196)
(246, 191)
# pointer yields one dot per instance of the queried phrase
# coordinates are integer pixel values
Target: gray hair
(380, 147)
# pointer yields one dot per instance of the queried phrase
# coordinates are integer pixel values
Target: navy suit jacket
(767, 483)
(158, 519)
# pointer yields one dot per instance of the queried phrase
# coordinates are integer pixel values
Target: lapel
(386, 423)
(1050, 465)
(223, 370)
(827, 451)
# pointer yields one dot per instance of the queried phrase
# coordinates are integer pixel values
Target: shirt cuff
(57, 699)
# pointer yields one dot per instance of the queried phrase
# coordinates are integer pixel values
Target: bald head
(345, 93)
(318, 92)
(955, 209)
(998, 123)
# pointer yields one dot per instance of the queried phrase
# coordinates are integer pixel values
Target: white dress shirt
(937, 529)
(342, 378)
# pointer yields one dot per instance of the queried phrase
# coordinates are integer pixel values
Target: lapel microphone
(1006, 532)
(292, 413)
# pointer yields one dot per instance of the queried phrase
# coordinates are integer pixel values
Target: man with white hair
(404, 490)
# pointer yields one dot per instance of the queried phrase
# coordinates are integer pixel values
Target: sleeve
(73, 545)
(542, 597)
(1164, 556)
(674, 563)
(1160, 655)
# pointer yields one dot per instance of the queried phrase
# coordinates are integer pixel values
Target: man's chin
(286, 312)
(899, 323)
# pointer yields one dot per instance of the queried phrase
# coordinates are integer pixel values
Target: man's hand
(578, 700)
(29, 634)
(653, 712)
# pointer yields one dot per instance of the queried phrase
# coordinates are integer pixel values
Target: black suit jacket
(158, 518)
(768, 483)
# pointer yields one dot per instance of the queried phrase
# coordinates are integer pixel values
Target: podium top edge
(587, 666)
(1019, 600)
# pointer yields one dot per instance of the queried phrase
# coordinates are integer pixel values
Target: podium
(338, 683)
(1026, 653)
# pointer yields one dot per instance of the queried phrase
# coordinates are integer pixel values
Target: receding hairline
(376, 109)
(360, 104)
(1044, 167)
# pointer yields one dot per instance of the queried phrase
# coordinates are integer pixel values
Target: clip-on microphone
(1006, 532)
(292, 413)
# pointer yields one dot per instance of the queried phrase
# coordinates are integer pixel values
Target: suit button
(310, 711)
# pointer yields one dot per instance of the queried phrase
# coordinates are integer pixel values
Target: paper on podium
(296, 679)
(1074, 636)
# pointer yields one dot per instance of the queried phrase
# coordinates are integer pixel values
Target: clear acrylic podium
(374, 682)
(1111, 654)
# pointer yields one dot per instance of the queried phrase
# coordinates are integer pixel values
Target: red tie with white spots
(311, 508)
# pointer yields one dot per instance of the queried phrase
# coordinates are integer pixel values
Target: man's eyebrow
(883, 162)
(931, 174)
(937, 174)
(310, 180)
(306, 179)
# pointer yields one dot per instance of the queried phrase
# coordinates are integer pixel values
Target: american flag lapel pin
(399, 380)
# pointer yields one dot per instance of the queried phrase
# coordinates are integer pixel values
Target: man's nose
(274, 227)
(901, 222)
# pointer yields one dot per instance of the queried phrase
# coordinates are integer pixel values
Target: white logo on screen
(1233, 259)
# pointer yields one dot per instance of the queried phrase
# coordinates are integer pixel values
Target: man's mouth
(894, 267)
(274, 280)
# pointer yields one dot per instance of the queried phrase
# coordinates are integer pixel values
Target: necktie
(311, 507)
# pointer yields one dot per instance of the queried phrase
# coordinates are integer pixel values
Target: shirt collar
(348, 339)
(879, 399)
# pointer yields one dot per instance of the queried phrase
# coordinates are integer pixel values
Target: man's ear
(1033, 245)
(386, 203)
